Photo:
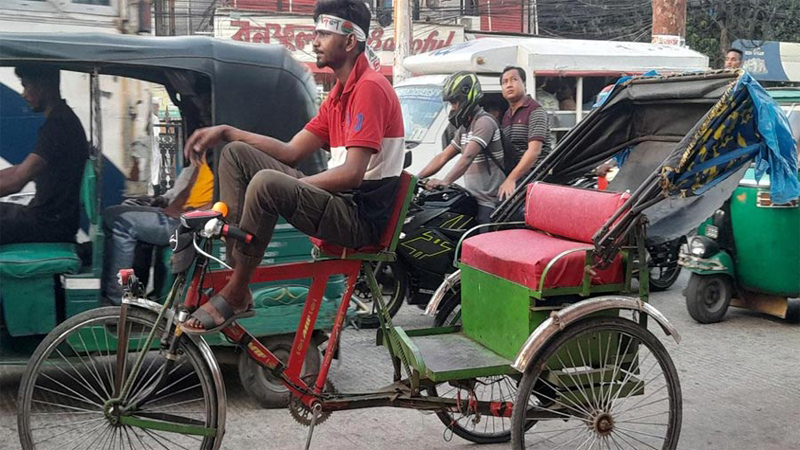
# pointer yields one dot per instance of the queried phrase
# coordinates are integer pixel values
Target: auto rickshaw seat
(561, 222)
(390, 235)
(28, 271)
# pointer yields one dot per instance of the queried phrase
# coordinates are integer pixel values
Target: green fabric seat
(26, 260)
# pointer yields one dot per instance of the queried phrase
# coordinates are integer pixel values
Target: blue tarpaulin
(746, 125)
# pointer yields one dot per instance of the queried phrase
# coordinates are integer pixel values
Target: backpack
(510, 157)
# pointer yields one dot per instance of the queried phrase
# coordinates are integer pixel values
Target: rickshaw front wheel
(603, 382)
(708, 297)
(67, 395)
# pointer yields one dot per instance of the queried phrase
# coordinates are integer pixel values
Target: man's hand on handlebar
(203, 139)
(433, 184)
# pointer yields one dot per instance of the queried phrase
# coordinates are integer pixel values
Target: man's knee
(272, 186)
(229, 158)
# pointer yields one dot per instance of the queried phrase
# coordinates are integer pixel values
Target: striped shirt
(528, 123)
(483, 177)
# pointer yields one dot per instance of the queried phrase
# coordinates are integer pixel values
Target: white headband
(341, 26)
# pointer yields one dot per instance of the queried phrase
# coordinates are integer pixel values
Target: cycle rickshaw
(521, 367)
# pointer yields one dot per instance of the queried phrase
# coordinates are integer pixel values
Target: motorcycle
(436, 221)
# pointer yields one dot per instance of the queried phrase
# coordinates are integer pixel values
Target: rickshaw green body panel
(496, 312)
(767, 241)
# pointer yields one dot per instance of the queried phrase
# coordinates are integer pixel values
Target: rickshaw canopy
(250, 86)
(682, 143)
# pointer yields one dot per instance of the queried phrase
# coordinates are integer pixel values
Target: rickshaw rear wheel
(708, 297)
(261, 384)
(65, 397)
(608, 396)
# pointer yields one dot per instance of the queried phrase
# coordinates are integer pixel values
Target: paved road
(740, 381)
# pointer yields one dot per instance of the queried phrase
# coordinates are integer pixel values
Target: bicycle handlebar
(236, 233)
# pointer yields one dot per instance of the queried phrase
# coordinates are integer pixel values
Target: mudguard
(721, 262)
(562, 318)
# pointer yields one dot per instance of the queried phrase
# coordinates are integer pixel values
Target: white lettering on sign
(297, 35)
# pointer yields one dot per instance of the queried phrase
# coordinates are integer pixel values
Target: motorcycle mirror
(407, 160)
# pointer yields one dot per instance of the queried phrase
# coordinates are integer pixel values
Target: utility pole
(402, 39)
(172, 17)
(669, 22)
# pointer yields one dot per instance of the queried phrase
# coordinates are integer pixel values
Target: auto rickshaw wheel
(603, 382)
(261, 384)
(708, 297)
(66, 397)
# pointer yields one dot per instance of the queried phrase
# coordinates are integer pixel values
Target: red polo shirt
(365, 112)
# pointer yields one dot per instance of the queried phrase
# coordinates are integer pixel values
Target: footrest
(444, 354)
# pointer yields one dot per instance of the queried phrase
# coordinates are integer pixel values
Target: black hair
(741, 53)
(355, 11)
(44, 76)
(519, 70)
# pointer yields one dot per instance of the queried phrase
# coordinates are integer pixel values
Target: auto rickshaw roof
(144, 56)
(252, 86)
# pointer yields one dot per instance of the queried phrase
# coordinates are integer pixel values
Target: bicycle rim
(65, 395)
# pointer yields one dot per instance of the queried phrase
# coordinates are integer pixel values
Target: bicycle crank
(301, 413)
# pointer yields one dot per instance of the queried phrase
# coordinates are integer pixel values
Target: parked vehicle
(748, 253)
(524, 366)
(42, 285)
(580, 68)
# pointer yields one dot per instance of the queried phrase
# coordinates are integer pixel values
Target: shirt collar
(525, 104)
(359, 68)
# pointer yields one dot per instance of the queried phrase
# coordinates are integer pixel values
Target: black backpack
(510, 156)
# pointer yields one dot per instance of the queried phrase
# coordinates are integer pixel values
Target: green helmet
(464, 88)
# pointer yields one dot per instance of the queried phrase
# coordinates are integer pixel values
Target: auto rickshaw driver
(56, 165)
(349, 205)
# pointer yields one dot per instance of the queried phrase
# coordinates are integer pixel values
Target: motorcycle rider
(478, 142)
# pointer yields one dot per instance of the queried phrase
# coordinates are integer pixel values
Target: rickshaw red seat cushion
(521, 256)
(572, 213)
(388, 233)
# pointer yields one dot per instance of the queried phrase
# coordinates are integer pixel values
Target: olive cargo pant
(258, 189)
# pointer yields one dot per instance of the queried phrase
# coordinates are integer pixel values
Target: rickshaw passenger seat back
(390, 235)
(559, 211)
(29, 273)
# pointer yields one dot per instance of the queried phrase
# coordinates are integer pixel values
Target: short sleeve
(538, 125)
(483, 131)
(367, 117)
(320, 124)
(47, 143)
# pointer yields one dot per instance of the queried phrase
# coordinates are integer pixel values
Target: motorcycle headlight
(702, 247)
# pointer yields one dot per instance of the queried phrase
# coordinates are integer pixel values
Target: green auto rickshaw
(748, 253)
(259, 88)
